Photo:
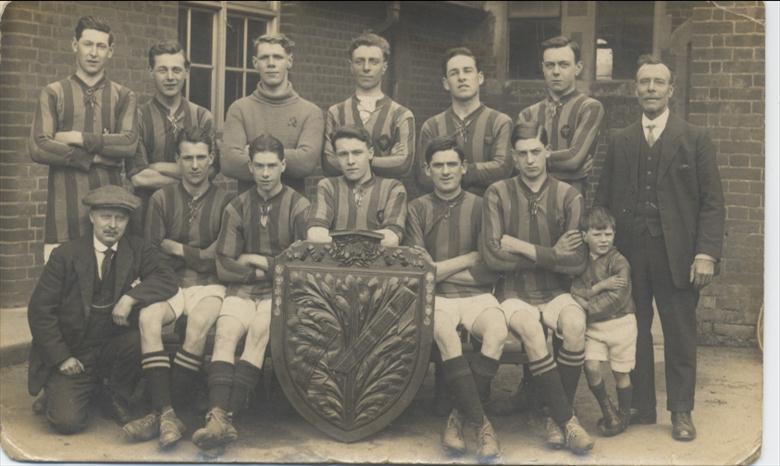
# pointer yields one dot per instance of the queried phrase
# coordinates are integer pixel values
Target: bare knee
(150, 318)
(593, 371)
(258, 333)
(228, 334)
(446, 337)
(572, 323)
(492, 327)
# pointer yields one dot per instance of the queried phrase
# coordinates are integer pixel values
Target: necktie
(105, 267)
(650, 135)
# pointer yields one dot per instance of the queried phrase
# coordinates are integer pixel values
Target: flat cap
(112, 196)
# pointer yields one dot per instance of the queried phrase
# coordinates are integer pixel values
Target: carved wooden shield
(351, 331)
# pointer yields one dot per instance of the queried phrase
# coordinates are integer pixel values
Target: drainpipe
(393, 15)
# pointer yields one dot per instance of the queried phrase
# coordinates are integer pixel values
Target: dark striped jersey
(158, 130)
(105, 114)
(447, 229)
(541, 219)
(377, 204)
(572, 129)
(484, 137)
(391, 126)
(194, 222)
(253, 225)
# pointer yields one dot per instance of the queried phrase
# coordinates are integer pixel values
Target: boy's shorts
(613, 340)
(186, 299)
(464, 311)
(547, 313)
(245, 310)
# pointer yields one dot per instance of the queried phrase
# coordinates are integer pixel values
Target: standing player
(274, 108)
(160, 122)
(84, 129)
(257, 226)
(571, 118)
(482, 133)
(183, 221)
(357, 199)
(391, 125)
(525, 224)
(447, 224)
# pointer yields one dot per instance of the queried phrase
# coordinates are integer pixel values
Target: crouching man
(79, 313)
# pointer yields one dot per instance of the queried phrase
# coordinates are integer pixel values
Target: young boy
(604, 291)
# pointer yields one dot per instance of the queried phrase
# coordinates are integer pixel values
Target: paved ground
(728, 418)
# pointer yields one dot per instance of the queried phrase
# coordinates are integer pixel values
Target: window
(624, 31)
(530, 23)
(218, 39)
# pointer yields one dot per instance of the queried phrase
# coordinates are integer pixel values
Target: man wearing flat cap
(80, 309)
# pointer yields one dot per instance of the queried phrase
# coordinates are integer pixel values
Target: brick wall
(727, 96)
(36, 49)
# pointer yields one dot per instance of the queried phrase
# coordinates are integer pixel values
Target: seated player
(527, 221)
(78, 313)
(257, 226)
(182, 220)
(357, 199)
(447, 224)
(604, 291)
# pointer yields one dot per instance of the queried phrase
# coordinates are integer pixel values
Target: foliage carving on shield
(351, 331)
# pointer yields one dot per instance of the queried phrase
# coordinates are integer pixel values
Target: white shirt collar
(659, 122)
(101, 248)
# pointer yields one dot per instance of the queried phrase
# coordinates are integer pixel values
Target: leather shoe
(641, 417)
(114, 407)
(683, 429)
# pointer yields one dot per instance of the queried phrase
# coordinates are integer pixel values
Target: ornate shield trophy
(351, 331)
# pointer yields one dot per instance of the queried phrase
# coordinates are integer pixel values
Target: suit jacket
(690, 197)
(62, 300)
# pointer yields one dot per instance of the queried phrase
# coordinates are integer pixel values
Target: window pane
(233, 87)
(256, 29)
(625, 29)
(200, 39)
(252, 78)
(525, 35)
(183, 28)
(234, 48)
(200, 86)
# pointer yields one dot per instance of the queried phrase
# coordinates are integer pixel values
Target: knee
(494, 324)
(444, 333)
(67, 422)
(258, 332)
(199, 323)
(150, 318)
(525, 321)
(572, 323)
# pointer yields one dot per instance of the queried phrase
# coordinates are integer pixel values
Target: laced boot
(171, 429)
(577, 438)
(488, 449)
(612, 423)
(452, 439)
(555, 438)
(143, 429)
(217, 432)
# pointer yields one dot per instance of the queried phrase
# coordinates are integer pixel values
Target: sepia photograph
(430, 232)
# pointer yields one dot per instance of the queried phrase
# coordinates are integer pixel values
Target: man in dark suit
(80, 309)
(661, 182)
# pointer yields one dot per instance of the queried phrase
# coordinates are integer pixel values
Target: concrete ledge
(15, 337)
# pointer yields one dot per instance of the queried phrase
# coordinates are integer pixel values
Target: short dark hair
(94, 22)
(195, 135)
(351, 132)
(369, 39)
(529, 130)
(598, 218)
(454, 52)
(561, 41)
(275, 38)
(167, 47)
(648, 59)
(266, 143)
(443, 143)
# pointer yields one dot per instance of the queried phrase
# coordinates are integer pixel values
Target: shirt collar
(102, 248)
(526, 189)
(564, 98)
(468, 117)
(260, 199)
(164, 108)
(659, 122)
(454, 201)
(101, 82)
(353, 184)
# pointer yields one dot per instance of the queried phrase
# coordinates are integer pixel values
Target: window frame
(267, 11)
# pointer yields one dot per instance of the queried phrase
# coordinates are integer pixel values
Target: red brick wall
(36, 49)
(727, 96)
